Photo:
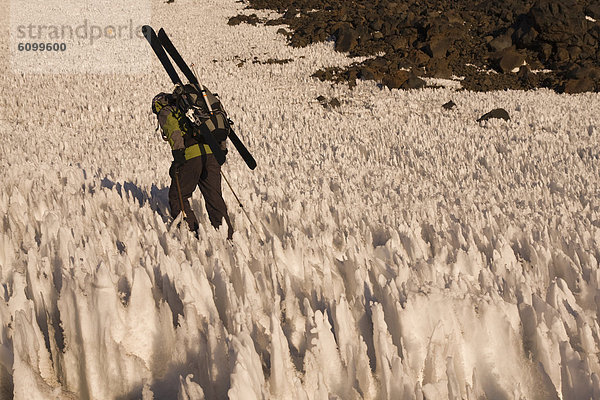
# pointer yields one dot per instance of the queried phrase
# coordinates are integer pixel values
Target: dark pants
(204, 172)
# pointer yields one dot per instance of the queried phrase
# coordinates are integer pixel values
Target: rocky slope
(493, 44)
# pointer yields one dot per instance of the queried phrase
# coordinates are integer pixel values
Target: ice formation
(404, 251)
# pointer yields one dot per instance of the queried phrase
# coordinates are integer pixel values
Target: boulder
(334, 102)
(438, 47)
(579, 85)
(366, 73)
(398, 42)
(290, 13)
(581, 72)
(417, 57)
(525, 35)
(498, 113)
(593, 10)
(509, 60)
(439, 68)
(501, 42)
(525, 73)
(395, 80)
(582, 79)
(347, 39)
(413, 82)
(561, 55)
(449, 105)
(558, 21)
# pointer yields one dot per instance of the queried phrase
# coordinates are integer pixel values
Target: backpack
(194, 105)
(192, 112)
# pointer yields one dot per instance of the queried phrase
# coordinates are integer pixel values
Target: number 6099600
(42, 46)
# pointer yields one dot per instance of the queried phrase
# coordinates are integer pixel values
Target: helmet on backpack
(161, 100)
(188, 96)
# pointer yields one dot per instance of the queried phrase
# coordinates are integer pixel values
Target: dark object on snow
(499, 113)
(449, 105)
(334, 102)
(251, 19)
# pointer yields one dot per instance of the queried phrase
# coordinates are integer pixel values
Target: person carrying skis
(194, 163)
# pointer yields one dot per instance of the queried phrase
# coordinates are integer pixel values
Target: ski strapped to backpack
(201, 136)
(191, 77)
(207, 115)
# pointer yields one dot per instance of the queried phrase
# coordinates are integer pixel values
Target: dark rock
(593, 10)
(376, 25)
(398, 42)
(581, 72)
(396, 80)
(290, 13)
(582, 79)
(438, 47)
(579, 85)
(439, 68)
(276, 61)
(557, 21)
(366, 73)
(347, 40)
(574, 52)
(509, 60)
(525, 73)
(413, 82)
(545, 51)
(525, 34)
(234, 20)
(449, 105)
(334, 102)
(321, 99)
(498, 113)
(501, 42)
(561, 55)
(417, 57)
(251, 19)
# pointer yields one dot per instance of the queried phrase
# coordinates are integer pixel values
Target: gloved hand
(178, 161)
(178, 156)
(174, 169)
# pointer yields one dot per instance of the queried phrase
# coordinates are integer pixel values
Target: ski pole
(179, 193)
(239, 203)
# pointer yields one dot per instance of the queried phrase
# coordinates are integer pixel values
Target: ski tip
(146, 29)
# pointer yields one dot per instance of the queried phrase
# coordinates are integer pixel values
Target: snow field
(404, 251)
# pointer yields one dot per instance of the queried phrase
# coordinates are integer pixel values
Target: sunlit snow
(404, 251)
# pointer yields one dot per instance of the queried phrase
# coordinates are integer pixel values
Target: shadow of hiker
(157, 199)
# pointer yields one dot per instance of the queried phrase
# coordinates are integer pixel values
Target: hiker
(193, 161)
